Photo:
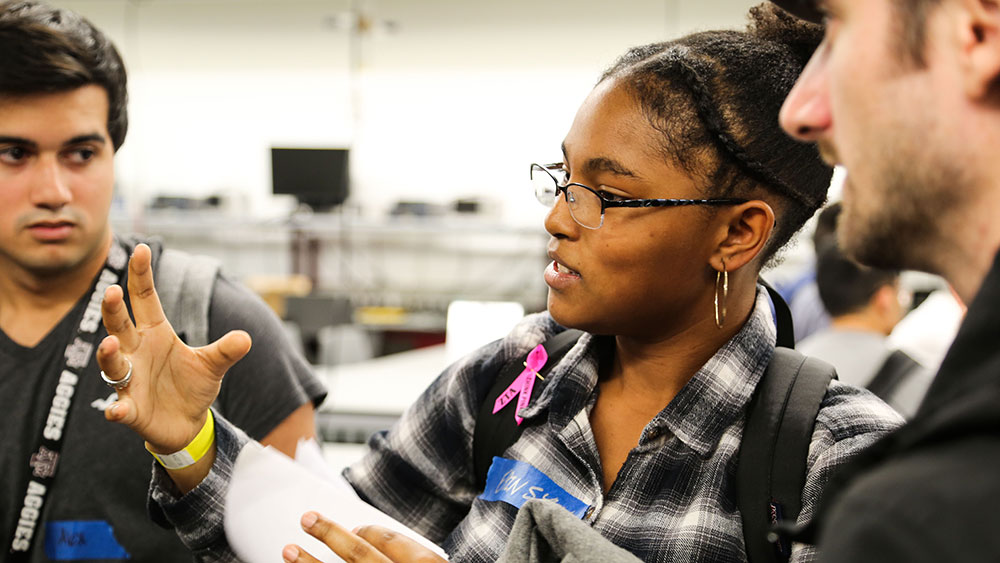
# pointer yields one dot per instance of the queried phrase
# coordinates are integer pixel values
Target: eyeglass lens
(584, 205)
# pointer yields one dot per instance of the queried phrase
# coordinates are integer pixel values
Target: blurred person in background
(865, 305)
(926, 332)
(802, 294)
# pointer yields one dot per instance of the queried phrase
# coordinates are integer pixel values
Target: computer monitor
(316, 177)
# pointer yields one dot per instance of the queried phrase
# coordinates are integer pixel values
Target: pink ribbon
(523, 384)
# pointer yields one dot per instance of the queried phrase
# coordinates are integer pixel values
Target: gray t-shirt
(858, 356)
(95, 510)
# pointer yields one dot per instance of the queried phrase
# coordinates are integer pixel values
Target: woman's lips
(560, 276)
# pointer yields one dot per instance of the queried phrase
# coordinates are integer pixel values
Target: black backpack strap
(494, 433)
(895, 369)
(771, 468)
(783, 317)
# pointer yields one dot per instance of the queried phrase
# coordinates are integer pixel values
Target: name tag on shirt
(516, 482)
(72, 540)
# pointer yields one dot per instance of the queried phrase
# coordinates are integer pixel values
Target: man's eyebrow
(8, 140)
(88, 138)
(825, 7)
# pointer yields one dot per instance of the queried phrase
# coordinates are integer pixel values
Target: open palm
(172, 385)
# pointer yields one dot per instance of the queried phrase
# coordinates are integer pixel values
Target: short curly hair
(715, 98)
(47, 50)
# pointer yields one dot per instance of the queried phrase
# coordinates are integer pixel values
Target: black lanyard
(44, 460)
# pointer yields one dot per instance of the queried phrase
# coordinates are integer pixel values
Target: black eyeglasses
(587, 206)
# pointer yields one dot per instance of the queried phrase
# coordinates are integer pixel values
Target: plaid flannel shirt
(197, 516)
(673, 500)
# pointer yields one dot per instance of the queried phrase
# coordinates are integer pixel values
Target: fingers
(112, 362)
(396, 546)
(348, 546)
(370, 544)
(295, 554)
(122, 411)
(226, 351)
(145, 303)
(116, 318)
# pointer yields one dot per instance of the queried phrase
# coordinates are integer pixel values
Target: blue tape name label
(517, 482)
(74, 540)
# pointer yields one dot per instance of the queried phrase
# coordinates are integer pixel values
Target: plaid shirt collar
(712, 400)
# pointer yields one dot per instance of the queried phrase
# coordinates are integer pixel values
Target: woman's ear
(746, 231)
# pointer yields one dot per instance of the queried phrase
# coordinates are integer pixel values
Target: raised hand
(172, 385)
(367, 544)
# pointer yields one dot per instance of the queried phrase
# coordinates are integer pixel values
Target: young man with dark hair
(847, 287)
(73, 485)
(808, 313)
(865, 306)
(905, 94)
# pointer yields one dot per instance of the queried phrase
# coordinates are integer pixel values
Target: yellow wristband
(193, 451)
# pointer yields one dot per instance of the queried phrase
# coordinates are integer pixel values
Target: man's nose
(806, 113)
(50, 186)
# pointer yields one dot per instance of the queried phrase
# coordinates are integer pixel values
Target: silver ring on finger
(121, 383)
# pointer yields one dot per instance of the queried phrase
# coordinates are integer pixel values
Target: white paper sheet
(269, 493)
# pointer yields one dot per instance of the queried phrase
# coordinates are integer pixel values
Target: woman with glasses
(676, 187)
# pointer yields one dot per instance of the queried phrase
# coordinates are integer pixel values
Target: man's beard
(899, 224)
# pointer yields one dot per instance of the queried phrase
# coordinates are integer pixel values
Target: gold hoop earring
(720, 304)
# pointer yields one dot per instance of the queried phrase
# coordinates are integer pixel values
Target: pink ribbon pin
(523, 384)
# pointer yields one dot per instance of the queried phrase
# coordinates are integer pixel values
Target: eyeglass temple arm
(670, 202)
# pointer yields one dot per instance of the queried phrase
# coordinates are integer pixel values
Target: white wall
(457, 101)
